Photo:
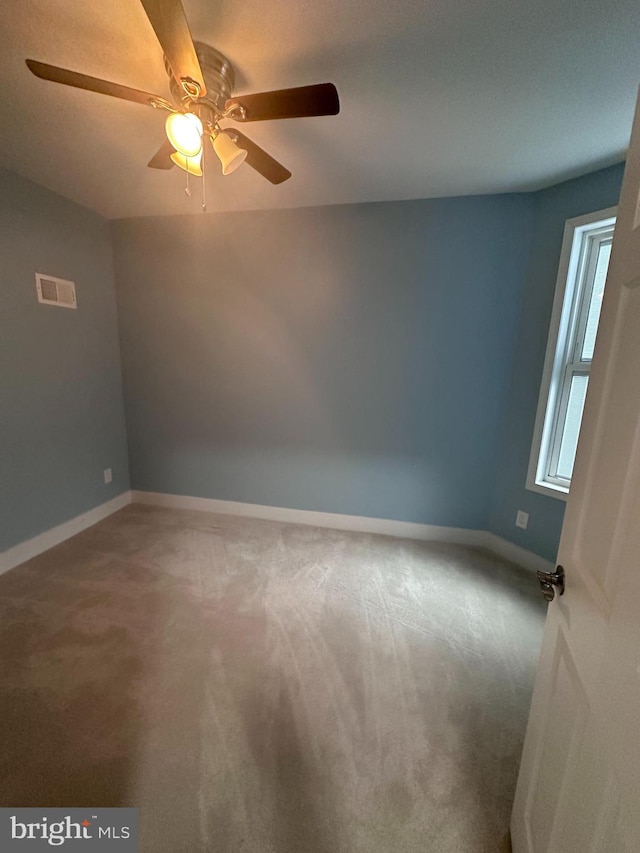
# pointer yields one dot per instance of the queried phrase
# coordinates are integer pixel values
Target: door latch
(550, 582)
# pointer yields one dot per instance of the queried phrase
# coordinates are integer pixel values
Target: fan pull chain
(187, 189)
(204, 183)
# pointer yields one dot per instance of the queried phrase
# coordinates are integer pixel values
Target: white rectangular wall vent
(56, 291)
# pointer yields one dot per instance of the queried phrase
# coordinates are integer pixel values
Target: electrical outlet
(522, 519)
(107, 475)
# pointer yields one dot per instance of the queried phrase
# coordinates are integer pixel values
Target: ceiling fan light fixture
(184, 132)
(229, 153)
(192, 165)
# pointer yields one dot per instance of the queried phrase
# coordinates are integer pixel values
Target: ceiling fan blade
(162, 158)
(319, 100)
(170, 25)
(91, 84)
(259, 160)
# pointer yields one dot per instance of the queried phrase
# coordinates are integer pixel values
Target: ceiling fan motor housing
(218, 73)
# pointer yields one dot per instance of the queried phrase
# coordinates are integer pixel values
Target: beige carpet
(257, 687)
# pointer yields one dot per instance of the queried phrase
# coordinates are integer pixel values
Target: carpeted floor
(255, 687)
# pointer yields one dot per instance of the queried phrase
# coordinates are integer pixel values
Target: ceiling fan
(201, 81)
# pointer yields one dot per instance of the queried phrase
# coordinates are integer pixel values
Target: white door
(579, 784)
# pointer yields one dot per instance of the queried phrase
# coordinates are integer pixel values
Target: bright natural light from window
(580, 287)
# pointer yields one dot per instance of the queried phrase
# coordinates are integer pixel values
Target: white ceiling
(439, 97)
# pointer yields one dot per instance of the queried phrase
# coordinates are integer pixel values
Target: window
(580, 286)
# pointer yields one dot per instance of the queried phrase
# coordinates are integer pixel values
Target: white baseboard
(358, 523)
(514, 553)
(361, 524)
(334, 520)
(32, 547)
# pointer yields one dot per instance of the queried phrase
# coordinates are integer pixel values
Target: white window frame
(582, 236)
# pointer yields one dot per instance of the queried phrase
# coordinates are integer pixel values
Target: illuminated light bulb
(184, 132)
(228, 153)
(192, 165)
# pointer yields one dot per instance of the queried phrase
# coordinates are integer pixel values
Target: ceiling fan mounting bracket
(191, 87)
(235, 111)
(161, 104)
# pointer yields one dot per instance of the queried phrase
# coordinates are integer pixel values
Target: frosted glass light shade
(228, 153)
(184, 132)
(189, 164)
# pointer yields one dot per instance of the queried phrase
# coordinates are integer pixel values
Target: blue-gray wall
(379, 359)
(352, 359)
(61, 408)
(552, 207)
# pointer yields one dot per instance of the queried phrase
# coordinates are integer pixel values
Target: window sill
(549, 490)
